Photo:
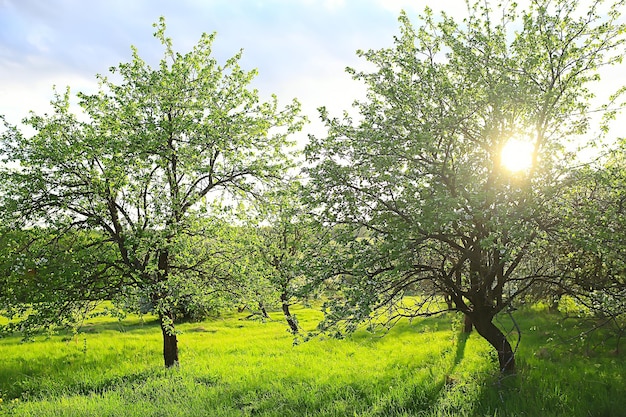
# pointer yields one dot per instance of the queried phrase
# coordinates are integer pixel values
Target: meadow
(233, 366)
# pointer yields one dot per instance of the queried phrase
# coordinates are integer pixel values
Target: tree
(287, 240)
(591, 241)
(417, 181)
(151, 164)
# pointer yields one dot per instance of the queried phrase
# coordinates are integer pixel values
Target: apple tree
(416, 177)
(148, 165)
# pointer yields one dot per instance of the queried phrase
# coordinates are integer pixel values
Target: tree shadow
(460, 349)
(70, 374)
(424, 395)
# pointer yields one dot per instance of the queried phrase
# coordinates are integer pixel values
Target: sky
(300, 47)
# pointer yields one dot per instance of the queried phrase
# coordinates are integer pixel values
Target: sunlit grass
(237, 367)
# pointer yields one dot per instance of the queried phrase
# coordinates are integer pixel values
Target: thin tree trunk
(263, 310)
(170, 342)
(291, 320)
(485, 327)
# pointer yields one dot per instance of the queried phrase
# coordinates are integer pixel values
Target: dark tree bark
(170, 341)
(263, 310)
(467, 324)
(485, 327)
(291, 320)
(166, 318)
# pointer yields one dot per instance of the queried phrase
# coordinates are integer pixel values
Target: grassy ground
(237, 367)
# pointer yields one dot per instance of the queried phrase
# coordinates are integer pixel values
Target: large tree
(417, 180)
(148, 164)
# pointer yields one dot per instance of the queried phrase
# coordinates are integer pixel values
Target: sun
(517, 155)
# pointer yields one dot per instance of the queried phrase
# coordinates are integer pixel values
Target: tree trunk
(485, 327)
(291, 320)
(166, 318)
(170, 342)
(263, 310)
(467, 324)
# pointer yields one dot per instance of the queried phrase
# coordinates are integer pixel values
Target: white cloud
(40, 39)
(329, 5)
(301, 48)
(454, 8)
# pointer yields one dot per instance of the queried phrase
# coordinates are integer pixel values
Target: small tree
(287, 239)
(417, 181)
(148, 165)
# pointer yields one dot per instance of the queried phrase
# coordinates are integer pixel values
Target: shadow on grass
(120, 326)
(70, 374)
(460, 349)
(76, 368)
(555, 389)
(424, 394)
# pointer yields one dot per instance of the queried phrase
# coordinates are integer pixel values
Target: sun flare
(517, 155)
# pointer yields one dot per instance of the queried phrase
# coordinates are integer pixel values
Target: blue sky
(300, 47)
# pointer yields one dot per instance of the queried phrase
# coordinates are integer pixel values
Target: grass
(236, 367)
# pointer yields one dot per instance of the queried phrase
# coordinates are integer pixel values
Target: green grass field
(236, 367)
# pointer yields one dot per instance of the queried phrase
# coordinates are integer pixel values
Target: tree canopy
(417, 181)
(148, 165)
(132, 195)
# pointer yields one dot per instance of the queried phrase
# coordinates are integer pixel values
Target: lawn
(233, 366)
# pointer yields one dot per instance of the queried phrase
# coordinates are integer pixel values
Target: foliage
(287, 242)
(591, 251)
(597, 235)
(416, 181)
(150, 165)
